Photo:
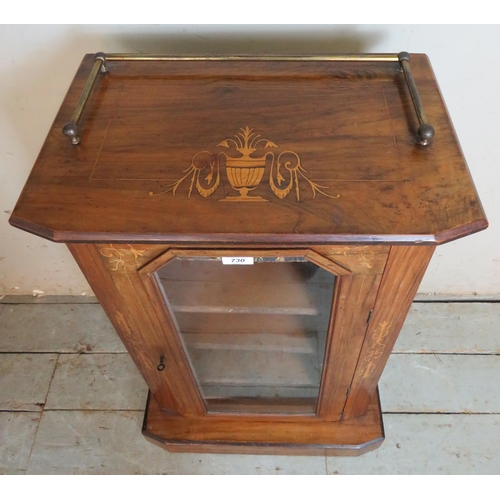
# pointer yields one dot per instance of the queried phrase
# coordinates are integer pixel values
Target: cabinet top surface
(251, 152)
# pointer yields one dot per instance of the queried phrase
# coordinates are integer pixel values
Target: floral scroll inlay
(247, 157)
(376, 350)
(117, 256)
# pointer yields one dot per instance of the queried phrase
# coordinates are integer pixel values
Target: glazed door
(254, 329)
(261, 332)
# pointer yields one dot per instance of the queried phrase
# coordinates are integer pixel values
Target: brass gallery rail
(425, 130)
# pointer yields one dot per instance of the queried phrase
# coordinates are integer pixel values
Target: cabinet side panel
(405, 269)
(111, 276)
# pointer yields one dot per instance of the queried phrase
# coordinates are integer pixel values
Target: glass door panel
(255, 335)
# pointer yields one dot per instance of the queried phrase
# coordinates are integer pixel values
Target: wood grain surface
(306, 152)
(226, 434)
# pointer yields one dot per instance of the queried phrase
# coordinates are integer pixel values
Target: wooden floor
(71, 400)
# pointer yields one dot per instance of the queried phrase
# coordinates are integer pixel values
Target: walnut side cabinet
(256, 229)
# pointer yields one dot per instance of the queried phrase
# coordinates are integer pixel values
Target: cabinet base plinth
(264, 435)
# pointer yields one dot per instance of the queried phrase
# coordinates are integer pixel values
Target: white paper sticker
(237, 261)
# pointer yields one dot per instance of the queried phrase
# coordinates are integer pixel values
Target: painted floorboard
(96, 442)
(97, 382)
(56, 328)
(430, 327)
(439, 392)
(441, 383)
(17, 435)
(415, 383)
(430, 444)
(25, 380)
(467, 328)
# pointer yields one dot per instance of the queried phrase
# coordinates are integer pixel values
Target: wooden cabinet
(274, 354)
(258, 274)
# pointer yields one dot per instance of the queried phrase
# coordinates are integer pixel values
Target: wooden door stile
(404, 271)
(355, 297)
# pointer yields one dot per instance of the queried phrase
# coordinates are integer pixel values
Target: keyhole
(161, 365)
